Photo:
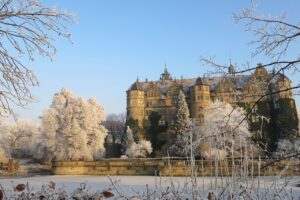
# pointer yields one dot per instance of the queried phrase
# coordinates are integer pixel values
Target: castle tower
(199, 100)
(136, 103)
(231, 70)
(165, 75)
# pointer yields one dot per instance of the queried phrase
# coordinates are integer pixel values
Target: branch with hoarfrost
(277, 66)
(27, 28)
(274, 37)
(274, 34)
(245, 189)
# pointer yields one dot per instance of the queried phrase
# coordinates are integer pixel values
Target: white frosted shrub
(287, 147)
(139, 150)
(224, 130)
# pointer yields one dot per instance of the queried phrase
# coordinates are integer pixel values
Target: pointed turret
(165, 75)
(231, 70)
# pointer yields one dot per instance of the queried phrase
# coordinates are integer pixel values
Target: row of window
(134, 102)
(203, 88)
(203, 97)
(158, 103)
(152, 94)
(139, 93)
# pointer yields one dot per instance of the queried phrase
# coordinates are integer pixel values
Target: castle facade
(161, 96)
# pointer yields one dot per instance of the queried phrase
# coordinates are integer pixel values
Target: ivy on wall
(271, 120)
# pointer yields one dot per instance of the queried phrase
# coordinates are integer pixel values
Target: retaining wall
(166, 167)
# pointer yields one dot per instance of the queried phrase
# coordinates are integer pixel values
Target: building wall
(136, 105)
(140, 102)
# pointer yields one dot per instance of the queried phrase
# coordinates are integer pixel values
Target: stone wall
(165, 167)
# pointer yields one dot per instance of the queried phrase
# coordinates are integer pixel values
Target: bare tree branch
(27, 28)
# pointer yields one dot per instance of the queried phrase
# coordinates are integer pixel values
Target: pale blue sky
(116, 40)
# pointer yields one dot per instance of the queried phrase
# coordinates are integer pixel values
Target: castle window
(172, 123)
(162, 122)
(276, 105)
(141, 112)
(292, 104)
(200, 109)
(201, 118)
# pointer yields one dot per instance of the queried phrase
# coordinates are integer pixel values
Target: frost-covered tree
(127, 140)
(183, 125)
(18, 138)
(139, 150)
(182, 121)
(224, 130)
(72, 129)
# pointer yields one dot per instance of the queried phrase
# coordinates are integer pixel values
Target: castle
(160, 96)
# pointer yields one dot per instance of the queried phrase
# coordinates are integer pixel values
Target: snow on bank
(133, 183)
(143, 186)
(94, 183)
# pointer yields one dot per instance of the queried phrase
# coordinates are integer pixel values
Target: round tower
(200, 100)
(136, 103)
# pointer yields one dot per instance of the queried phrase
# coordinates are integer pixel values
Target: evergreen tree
(183, 125)
(183, 121)
(127, 140)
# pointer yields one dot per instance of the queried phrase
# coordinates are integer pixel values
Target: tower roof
(199, 81)
(231, 69)
(165, 75)
(166, 70)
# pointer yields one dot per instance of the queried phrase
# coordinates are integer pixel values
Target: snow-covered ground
(138, 183)
(93, 182)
